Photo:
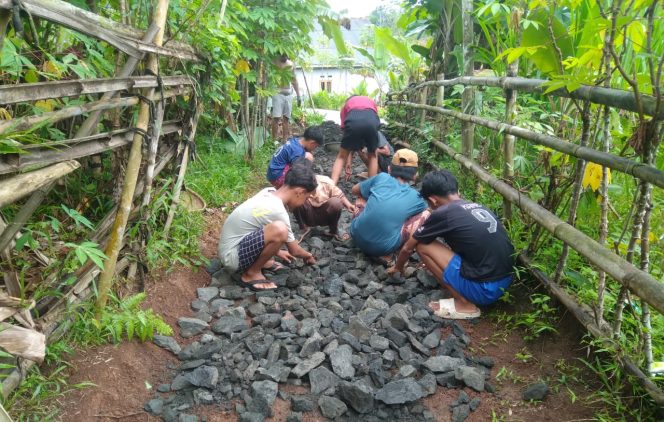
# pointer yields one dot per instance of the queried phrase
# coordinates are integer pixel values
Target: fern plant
(122, 319)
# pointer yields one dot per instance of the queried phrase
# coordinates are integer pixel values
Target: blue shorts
(479, 293)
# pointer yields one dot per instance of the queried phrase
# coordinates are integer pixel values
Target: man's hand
(351, 208)
(285, 255)
(393, 270)
(310, 260)
(299, 101)
(349, 171)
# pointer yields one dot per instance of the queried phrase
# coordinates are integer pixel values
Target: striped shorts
(250, 248)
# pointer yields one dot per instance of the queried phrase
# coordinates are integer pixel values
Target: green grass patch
(221, 177)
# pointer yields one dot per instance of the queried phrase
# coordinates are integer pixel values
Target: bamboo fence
(632, 278)
(32, 174)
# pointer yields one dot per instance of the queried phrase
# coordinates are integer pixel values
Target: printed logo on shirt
(260, 212)
(278, 151)
(470, 206)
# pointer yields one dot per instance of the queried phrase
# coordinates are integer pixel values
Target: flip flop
(276, 268)
(339, 237)
(251, 285)
(447, 310)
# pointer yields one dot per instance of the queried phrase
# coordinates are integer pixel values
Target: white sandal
(447, 310)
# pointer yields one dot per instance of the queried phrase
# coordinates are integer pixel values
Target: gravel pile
(364, 344)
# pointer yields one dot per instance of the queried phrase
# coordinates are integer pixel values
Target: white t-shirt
(254, 214)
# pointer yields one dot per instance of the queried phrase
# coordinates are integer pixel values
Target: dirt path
(128, 375)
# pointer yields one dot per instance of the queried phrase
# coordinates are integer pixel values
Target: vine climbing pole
(133, 167)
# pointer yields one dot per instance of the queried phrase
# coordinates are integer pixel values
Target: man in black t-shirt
(475, 264)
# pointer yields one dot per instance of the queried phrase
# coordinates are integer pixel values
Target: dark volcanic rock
(460, 413)
(442, 363)
(432, 340)
(190, 327)
(268, 320)
(341, 359)
(398, 316)
(207, 293)
(301, 404)
(321, 379)
(204, 376)
(471, 377)
(168, 343)
(331, 407)
(263, 394)
(303, 368)
(154, 406)
(332, 285)
(536, 391)
(400, 392)
(228, 325)
(357, 395)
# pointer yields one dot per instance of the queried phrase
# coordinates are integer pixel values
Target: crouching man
(476, 262)
(256, 230)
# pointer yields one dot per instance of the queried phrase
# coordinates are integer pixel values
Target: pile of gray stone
(364, 344)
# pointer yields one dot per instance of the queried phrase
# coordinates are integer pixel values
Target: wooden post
(508, 139)
(183, 170)
(440, 98)
(423, 100)
(19, 186)
(131, 175)
(24, 213)
(468, 96)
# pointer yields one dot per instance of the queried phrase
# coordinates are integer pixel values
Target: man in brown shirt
(323, 208)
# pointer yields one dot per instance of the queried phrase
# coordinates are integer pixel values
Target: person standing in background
(282, 101)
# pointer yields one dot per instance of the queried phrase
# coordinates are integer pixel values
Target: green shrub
(328, 100)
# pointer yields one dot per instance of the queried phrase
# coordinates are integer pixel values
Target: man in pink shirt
(360, 123)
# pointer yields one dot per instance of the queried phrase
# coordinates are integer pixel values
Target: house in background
(326, 73)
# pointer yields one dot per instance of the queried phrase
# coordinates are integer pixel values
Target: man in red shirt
(360, 123)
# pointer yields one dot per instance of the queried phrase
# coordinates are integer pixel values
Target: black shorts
(361, 130)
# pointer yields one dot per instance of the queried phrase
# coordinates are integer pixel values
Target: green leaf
(332, 30)
(394, 46)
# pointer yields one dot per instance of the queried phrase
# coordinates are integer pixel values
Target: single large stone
(341, 359)
(228, 325)
(268, 320)
(359, 329)
(331, 407)
(308, 326)
(428, 384)
(460, 413)
(303, 368)
(263, 394)
(369, 315)
(207, 293)
(432, 340)
(322, 379)
(398, 316)
(301, 404)
(190, 327)
(311, 345)
(396, 336)
(202, 396)
(471, 377)
(379, 343)
(204, 376)
(325, 316)
(154, 406)
(536, 391)
(332, 285)
(357, 395)
(442, 363)
(401, 391)
(168, 343)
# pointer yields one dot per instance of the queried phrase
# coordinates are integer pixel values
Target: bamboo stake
(579, 170)
(16, 187)
(183, 170)
(640, 170)
(21, 218)
(131, 177)
(468, 96)
(10, 276)
(642, 283)
(423, 100)
(616, 98)
(440, 99)
(508, 139)
(91, 122)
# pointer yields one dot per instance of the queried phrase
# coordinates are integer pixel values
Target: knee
(276, 231)
(335, 205)
(309, 156)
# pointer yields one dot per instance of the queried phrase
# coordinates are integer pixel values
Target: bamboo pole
(468, 96)
(123, 37)
(27, 123)
(16, 187)
(640, 282)
(616, 98)
(5, 17)
(91, 122)
(183, 170)
(21, 218)
(77, 148)
(640, 170)
(508, 139)
(131, 176)
(440, 99)
(15, 93)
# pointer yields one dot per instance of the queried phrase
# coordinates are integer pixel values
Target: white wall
(343, 81)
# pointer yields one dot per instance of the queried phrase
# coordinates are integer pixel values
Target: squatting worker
(475, 264)
(282, 101)
(360, 124)
(294, 149)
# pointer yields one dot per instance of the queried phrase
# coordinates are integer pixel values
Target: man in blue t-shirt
(295, 148)
(393, 209)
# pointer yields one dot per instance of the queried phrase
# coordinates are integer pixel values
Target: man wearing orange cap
(392, 210)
